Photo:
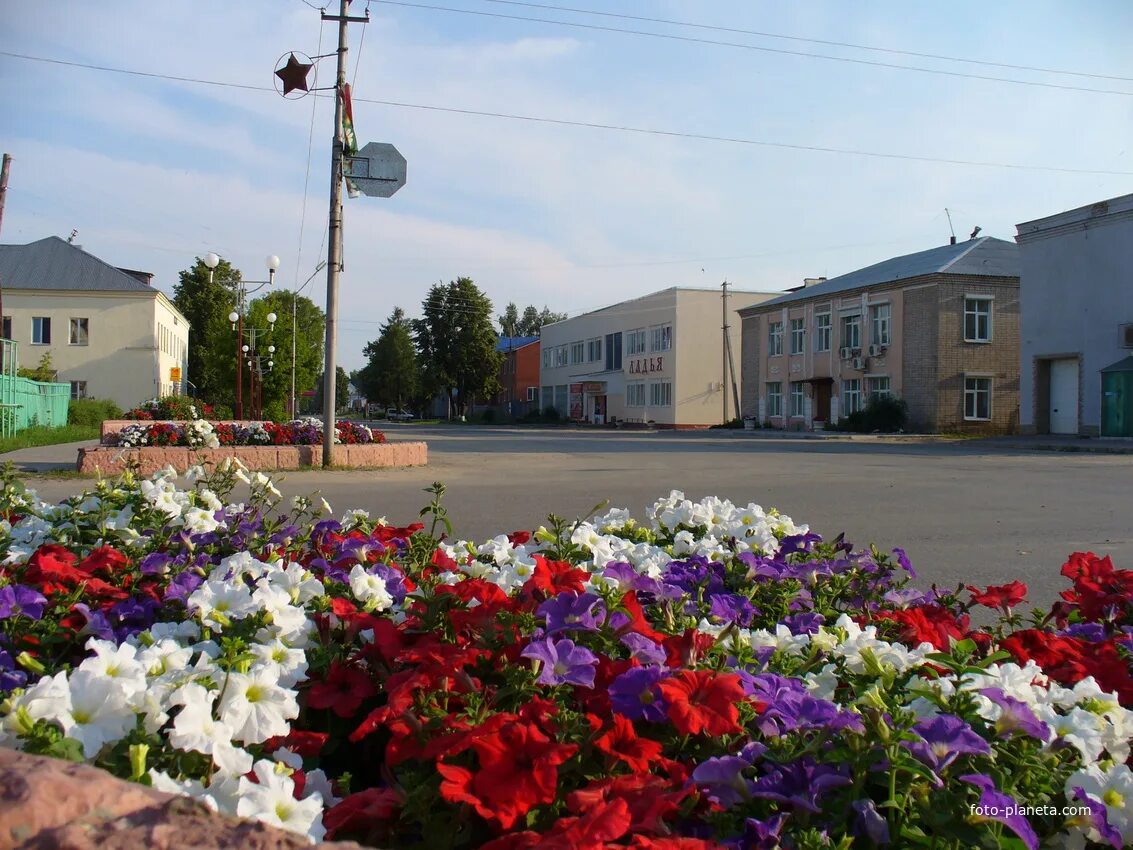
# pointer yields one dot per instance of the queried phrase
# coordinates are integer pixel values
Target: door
(1064, 396)
(822, 392)
(1117, 404)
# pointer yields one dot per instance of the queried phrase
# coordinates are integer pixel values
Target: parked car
(396, 415)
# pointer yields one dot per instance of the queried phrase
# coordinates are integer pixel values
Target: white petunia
(256, 707)
(369, 589)
(219, 602)
(47, 699)
(120, 663)
(288, 664)
(272, 801)
(100, 712)
(1112, 788)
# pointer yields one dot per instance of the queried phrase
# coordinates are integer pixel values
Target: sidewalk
(62, 456)
(1037, 442)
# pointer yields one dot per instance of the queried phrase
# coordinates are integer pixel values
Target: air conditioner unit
(1127, 336)
(859, 364)
(876, 350)
(846, 352)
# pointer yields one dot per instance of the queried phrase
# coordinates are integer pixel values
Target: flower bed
(201, 434)
(714, 676)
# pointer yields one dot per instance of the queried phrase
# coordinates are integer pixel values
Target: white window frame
(547, 354)
(774, 398)
(660, 393)
(594, 349)
(635, 394)
(661, 338)
(577, 352)
(972, 392)
(881, 324)
(822, 331)
(635, 342)
(79, 387)
(798, 399)
(872, 382)
(560, 356)
(532, 393)
(852, 321)
(851, 389)
(972, 308)
(774, 339)
(798, 336)
(40, 322)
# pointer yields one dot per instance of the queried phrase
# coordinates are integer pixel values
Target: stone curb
(112, 460)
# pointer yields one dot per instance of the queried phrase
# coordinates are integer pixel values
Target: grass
(42, 436)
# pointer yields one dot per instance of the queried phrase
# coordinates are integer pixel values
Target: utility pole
(729, 363)
(334, 251)
(3, 194)
(724, 350)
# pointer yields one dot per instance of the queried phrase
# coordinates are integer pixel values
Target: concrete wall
(1076, 291)
(124, 360)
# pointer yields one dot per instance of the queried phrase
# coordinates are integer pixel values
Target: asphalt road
(964, 512)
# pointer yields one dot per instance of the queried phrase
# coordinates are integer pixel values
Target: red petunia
(553, 577)
(52, 569)
(683, 650)
(650, 799)
(342, 691)
(1100, 592)
(927, 624)
(306, 744)
(362, 814)
(622, 743)
(1060, 657)
(703, 701)
(1001, 596)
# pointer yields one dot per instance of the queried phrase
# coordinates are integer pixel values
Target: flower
(256, 707)
(1113, 788)
(997, 806)
(574, 611)
(800, 784)
(943, 738)
(271, 799)
(635, 694)
(562, 663)
(722, 780)
(702, 701)
(1003, 597)
(343, 690)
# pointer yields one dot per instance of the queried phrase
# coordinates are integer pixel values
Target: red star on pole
(294, 75)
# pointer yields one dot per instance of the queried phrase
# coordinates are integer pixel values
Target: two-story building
(939, 328)
(519, 375)
(109, 332)
(659, 358)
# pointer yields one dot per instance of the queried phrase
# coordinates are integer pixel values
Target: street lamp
(294, 301)
(236, 317)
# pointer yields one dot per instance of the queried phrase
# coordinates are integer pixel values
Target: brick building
(939, 329)
(519, 375)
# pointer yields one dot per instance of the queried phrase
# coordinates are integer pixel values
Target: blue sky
(154, 172)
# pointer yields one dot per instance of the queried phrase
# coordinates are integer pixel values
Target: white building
(1077, 320)
(110, 334)
(659, 358)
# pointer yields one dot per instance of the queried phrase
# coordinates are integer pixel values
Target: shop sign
(594, 387)
(645, 365)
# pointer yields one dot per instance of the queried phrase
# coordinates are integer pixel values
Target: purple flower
(182, 586)
(131, 616)
(1098, 818)
(943, 738)
(358, 549)
(10, 677)
(732, 608)
(722, 780)
(155, 564)
(563, 662)
(571, 610)
(869, 822)
(903, 560)
(96, 624)
(635, 694)
(800, 783)
(761, 567)
(804, 624)
(1016, 716)
(643, 649)
(997, 806)
(20, 599)
(763, 834)
(395, 581)
(798, 543)
(1093, 632)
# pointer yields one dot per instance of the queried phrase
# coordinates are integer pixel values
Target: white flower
(219, 602)
(272, 800)
(369, 589)
(47, 699)
(99, 713)
(196, 729)
(1079, 728)
(256, 707)
(199, 521)
(119, 663)
(1114, 789)
(300, 584)
(287, 664)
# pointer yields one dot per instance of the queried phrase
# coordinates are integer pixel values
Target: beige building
(110, 334)
(939, 329)
(658, 358)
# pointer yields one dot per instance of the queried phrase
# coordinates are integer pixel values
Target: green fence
(24, 402)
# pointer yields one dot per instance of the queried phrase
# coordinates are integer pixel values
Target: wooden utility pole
(724, 351)
(729, 363)
(3, 194)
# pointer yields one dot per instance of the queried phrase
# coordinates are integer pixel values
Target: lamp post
(255, 364)
(236, 317)
(248, 350)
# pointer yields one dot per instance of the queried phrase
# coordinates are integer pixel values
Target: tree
(310, 323)
(456, 342)
(391, 376)
(212, 342)
(512, 324)
(43, 372)
(341, 391)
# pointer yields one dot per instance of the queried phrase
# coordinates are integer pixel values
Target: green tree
(310, 323)
(212, 342)
(456, 342)
(391, 376)
(44, 371)
(512, 324)
(341, 392)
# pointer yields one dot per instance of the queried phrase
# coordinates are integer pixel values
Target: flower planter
(112, 460)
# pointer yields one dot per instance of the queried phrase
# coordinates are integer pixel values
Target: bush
(488, 416)
(172, 408)
(731, 423)
(886, 414)
(551, 415)
(92, 411)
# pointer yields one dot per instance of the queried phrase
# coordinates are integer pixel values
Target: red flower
(621, 742)
(1002, 596)
(342, 691)
(1100, 592)
(51, 568)
(683, 650)
(703, 701)
(641, 842)
(361, 813)
(927, 624)
(305, 744)
(650, 799)
(1060, 657)
(105, 560)
(553, 577)
(518, 538)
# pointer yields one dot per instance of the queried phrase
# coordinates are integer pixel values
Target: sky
(152, 172)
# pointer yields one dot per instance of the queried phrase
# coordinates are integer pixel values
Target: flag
(349, 140)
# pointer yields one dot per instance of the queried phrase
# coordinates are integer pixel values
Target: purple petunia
(1098, 818)
(763, 834)
(800, 783)
(731, 608)
(96, 624)
(635, 694)
(943, 738)
(10, 677)
(868, 822)
(18, 599)
(798, 543)
(1016, 716)
(722, 781)
(573, 611)
(997, 806)
(903, 560)
(563, 663)
(1092, 632)
(804, 624)
(155, 564)
(643, 649)
(182, 586)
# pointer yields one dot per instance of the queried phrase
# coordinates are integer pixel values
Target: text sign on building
(645, 365)
(378, 170)
(174, 374)
(594, 387)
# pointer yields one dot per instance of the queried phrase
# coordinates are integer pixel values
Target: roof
(667, 290)
(510, 343)
(55, 264)
(1124, 365)
(984, 257)
(1109, 211)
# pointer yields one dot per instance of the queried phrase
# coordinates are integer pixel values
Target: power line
(307, 178)
(593, 125)
(762, 34)
(741, 46)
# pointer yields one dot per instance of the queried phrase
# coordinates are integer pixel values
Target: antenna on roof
(950, 228)
(976, 232)
(71, 238)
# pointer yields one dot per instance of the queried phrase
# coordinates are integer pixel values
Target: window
(662, 338)
(977, 398)
(880, 319)
(822, 332)
(41, 330)
(661, 393)
(878, 387)
(547, 358)
(977, 319)
(560, 356)
(531, 393)
(7, 332)
(798, 335)
(577, 352)
(546, 397)
(851, 396)
(635, 394)
(562, 398)
(852, 331)
(798, 398)
(594, 350)
(774, 338)
(775, 398)
(78, 389)
(635, 342)
(614, 350)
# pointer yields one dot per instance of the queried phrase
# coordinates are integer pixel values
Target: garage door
(1064, 396)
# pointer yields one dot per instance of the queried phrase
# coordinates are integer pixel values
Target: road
(964, 512)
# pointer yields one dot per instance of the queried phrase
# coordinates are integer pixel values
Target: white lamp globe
(245, 349)
(272, 317)
(273, 263)
(271, 349)
(232, 317)
(212, 260)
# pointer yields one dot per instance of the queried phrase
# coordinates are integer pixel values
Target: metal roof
(511, 343)
(985, 256)
(1123, 365)
(55, 264)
